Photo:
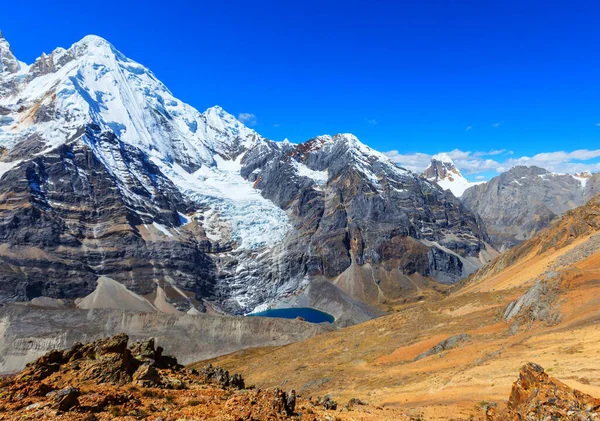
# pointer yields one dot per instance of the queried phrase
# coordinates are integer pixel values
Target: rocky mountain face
(441, 170)
(518, 203)
(105, 173)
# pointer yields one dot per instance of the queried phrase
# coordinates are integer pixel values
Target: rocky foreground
(109, 379)
(537, 396)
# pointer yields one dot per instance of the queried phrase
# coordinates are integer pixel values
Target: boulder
(537, 396)
(66, 398)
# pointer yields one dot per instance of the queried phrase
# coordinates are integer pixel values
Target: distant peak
(441, 167)
(93, 39)
(442, 157)
(93, 44)
(216, 111)
(583, 174)
(216, 108)
(8, 61)
(348, 136)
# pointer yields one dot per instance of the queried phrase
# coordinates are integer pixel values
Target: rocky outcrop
(446, 344)
(520, 202)
(537, 304)
(111, 379)
(107, 361)
(537, 396)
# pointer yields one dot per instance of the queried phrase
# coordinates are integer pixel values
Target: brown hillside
(442, 359)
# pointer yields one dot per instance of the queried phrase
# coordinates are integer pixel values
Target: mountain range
(106, 174)
(125, 210)
(517, 203)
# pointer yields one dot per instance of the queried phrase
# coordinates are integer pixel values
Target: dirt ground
(375, 361)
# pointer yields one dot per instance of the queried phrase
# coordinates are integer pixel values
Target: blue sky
(514, 78)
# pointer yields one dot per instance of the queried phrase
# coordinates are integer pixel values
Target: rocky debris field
(111, 379)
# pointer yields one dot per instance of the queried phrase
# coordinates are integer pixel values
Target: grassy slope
(374, 360)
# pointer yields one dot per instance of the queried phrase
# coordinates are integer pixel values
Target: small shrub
(485, 405)
(149, 393)
(114, 411)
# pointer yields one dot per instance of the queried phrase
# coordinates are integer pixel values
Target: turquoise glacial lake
(309, 314)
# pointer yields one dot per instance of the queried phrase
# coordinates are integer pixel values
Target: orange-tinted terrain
(451, 358)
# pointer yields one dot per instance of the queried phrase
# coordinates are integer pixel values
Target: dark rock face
(365, 210)
(66, 220)
(88, 224)
(520, 202)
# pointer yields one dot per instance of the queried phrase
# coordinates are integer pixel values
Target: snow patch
(7, 166)
(162, 229)
(319, 177)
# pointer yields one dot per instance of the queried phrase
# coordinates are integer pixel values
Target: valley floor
(377, 360)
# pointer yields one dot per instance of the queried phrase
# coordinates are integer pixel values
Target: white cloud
(372, 121)
(598, 124)
(276, 125)
(496, 125)
(248, 119)
(416, 162)
(468, 128)
(475, 163)
(492, 152)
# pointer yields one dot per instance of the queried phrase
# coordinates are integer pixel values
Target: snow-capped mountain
(442, 171)
(105, 173)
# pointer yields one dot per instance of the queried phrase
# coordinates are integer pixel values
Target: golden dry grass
(375, 360)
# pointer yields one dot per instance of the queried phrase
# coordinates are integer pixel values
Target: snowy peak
(442, 168)
(582, 177)
(584, 174)
(91, 82)
(8, 61)
(230, 133)
(442, 171)
(444, 158)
